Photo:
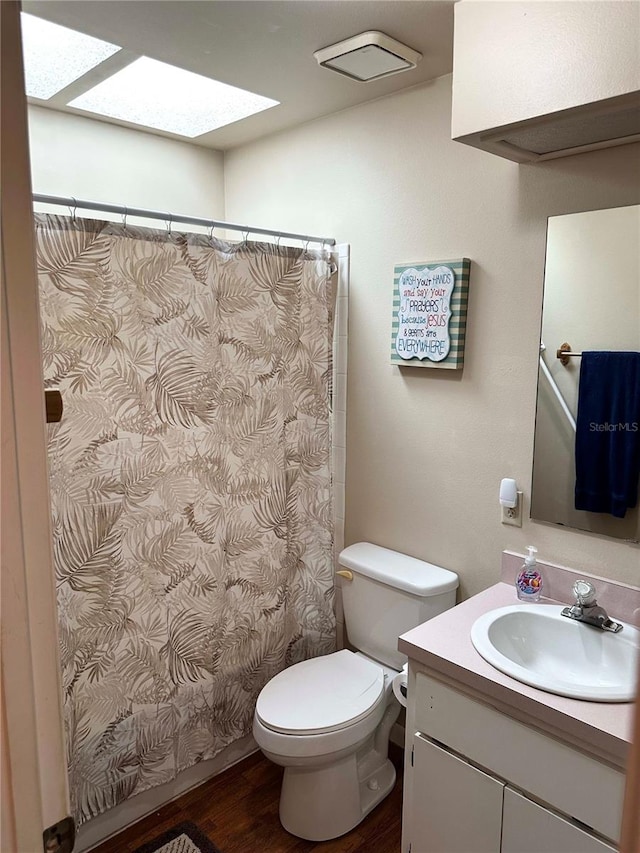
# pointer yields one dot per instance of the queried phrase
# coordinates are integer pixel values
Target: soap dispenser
(529, 580)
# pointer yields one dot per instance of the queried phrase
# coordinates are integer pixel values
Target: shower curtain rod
(75, 203)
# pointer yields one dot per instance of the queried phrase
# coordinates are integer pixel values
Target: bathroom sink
(534, 644)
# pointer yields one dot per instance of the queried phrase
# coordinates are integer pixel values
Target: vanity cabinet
(456, 807)
(478, 780)
(528, 827)
(460, 808)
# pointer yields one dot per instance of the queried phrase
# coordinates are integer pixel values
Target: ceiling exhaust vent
(368, 56)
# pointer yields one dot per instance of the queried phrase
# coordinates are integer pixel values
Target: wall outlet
(512, 515)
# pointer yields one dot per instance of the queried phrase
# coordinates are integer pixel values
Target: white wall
(426, 449)
(90, 159)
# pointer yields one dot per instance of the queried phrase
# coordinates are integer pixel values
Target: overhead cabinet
(540, 80)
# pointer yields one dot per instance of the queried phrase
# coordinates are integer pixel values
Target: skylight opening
(55, 56)
(160, 96)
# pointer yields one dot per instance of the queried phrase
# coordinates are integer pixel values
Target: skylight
(156, 95)
(55, 56)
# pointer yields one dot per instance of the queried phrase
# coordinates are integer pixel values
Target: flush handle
(346, 574)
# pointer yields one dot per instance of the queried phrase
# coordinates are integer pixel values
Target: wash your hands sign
(429, 313)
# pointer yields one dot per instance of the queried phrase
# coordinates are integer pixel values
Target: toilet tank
(390, 593)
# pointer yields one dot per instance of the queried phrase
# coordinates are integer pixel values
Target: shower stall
(191, 485)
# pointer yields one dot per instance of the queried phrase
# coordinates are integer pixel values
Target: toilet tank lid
(398, 570)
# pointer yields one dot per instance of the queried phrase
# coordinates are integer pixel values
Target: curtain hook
(306, 247)
(73, 210)
(124, 217)
(211, 227)
(245, 234)
(169, 223)
(278, 239)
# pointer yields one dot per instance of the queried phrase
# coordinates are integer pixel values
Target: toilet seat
(321, 695)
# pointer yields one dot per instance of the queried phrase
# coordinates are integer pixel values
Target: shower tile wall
(340, 418)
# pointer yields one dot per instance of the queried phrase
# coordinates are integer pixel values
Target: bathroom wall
(426, 449)
(90, 159)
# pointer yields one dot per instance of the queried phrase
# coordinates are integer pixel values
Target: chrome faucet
(586, 608)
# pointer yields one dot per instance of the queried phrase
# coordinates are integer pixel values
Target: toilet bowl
(327, 722)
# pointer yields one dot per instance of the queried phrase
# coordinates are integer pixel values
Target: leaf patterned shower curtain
(191, 489)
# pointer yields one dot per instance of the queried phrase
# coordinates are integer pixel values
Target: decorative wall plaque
(430, 313)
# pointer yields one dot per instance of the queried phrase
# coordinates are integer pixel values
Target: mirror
(591, 302)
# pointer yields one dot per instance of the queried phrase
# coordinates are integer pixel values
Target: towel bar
(564, 353)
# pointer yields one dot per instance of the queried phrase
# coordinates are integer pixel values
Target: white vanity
(496, 766)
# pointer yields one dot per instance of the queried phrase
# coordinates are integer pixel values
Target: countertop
(443, 645)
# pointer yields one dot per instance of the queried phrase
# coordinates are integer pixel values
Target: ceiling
(265, 46)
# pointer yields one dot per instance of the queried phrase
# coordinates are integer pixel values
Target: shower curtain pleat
(191, 489)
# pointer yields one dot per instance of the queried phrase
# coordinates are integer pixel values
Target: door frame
(33, 761)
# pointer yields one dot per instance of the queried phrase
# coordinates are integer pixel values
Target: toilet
(327, 720)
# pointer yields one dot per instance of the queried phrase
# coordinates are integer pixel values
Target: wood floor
(238, 811)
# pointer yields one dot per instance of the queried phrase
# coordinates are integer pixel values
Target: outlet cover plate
(512, 515)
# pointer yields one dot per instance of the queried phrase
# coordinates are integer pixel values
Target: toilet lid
(321, 695)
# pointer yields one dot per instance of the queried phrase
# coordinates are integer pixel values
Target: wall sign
(430, 313)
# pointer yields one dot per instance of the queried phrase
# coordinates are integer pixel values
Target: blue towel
(608, 432)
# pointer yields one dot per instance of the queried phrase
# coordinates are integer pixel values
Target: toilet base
(324, 802)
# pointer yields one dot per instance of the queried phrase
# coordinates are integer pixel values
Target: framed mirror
(591, 302)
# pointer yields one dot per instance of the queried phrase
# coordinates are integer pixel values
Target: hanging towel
(608, 432)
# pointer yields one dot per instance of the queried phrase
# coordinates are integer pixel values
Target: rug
(181, 838)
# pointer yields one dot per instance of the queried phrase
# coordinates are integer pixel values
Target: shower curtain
(191, 488)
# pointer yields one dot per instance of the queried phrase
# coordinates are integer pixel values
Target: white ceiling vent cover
(368, 56)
